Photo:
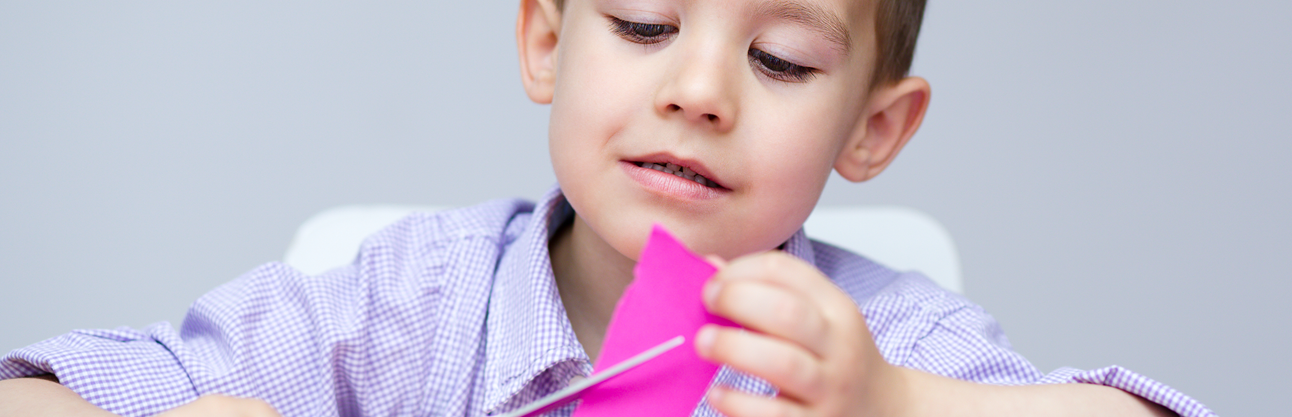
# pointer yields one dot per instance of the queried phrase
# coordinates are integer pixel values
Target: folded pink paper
(662, 302)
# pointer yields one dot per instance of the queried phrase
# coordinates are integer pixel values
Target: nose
(701, 90)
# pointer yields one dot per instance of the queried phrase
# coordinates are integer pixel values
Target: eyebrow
(810, 15)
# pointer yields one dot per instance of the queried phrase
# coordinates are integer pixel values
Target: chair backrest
(898, 237)
(901, 238)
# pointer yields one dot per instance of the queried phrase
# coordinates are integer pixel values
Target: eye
(780, 69)
(643, 33)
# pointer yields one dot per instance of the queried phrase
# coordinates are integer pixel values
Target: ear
(537, 27)
(893, 115)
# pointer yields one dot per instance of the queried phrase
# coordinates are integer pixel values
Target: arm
(157, 369)
(43, 396)
(933, 395)
(296, 341)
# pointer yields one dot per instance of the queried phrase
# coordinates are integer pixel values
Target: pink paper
(662, 302)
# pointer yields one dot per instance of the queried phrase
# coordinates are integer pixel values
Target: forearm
(43, 396)
(933, 395)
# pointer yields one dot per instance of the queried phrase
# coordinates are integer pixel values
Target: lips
(679, 171)
(674, 178)
(682, 168)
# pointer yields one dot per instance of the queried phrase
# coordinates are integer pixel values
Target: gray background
(1114, 172)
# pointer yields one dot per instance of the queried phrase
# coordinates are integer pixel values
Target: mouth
(680, 171)
(676, 178)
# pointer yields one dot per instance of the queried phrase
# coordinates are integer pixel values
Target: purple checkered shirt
(457, 314)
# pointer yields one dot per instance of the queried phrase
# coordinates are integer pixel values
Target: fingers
(778, 294)
(795, 371)
(786, 271)
(716, 261)
(770, 309)
(734, 403)
(806, 337)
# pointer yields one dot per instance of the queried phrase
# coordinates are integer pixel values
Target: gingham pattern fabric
(457, 314)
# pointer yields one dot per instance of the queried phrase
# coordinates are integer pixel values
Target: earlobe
(893, 115)
(537, 27)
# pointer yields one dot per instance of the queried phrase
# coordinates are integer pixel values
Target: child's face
(720, 86)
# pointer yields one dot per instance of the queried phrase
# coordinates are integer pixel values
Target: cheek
(598, 96)
(582, 119)
(797, 157)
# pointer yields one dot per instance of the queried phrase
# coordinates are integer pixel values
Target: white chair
(898, 237)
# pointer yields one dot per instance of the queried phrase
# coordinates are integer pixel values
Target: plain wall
(1115, 173)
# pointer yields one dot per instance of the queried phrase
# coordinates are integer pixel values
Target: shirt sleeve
(125, 371)
(274, 334)
(967, 343)
(374, 337)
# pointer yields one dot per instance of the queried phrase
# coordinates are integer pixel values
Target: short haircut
(897, 26)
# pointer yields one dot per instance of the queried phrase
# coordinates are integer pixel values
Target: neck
(591, 276)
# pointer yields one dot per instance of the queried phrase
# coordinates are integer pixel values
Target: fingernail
(715, 395)
(711, 292)
(704, 339)
(716, 261)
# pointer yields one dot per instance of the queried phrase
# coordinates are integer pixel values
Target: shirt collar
(799, 246)
(527, 332)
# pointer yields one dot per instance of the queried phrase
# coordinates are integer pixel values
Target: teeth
(680, 171)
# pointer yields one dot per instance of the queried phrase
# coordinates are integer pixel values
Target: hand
(223, 406)
(808, 339)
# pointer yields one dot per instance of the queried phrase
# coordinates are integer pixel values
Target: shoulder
(868, 281)
(917, 323)
(498, 220)
(401, 270)
(433, 239)
(385, 313)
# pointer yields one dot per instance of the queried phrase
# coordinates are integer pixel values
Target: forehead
(850, 15)
(847, 25)
(836, 20)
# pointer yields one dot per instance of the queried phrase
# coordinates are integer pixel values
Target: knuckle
(786, 367)
(796, 372)
(812, 383)
(806, 378)
(788, 308)
(781, 410)
(788, 313)
(725, 299)
(815, 327)
(775, 261)
(722, 345)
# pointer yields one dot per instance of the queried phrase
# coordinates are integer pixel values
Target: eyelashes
(780, 69)
(642, 33)
(770, 65)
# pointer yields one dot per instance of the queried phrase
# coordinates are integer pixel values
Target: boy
(720, 119)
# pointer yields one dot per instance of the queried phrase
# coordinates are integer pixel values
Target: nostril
(674, 107)
(712, 118)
